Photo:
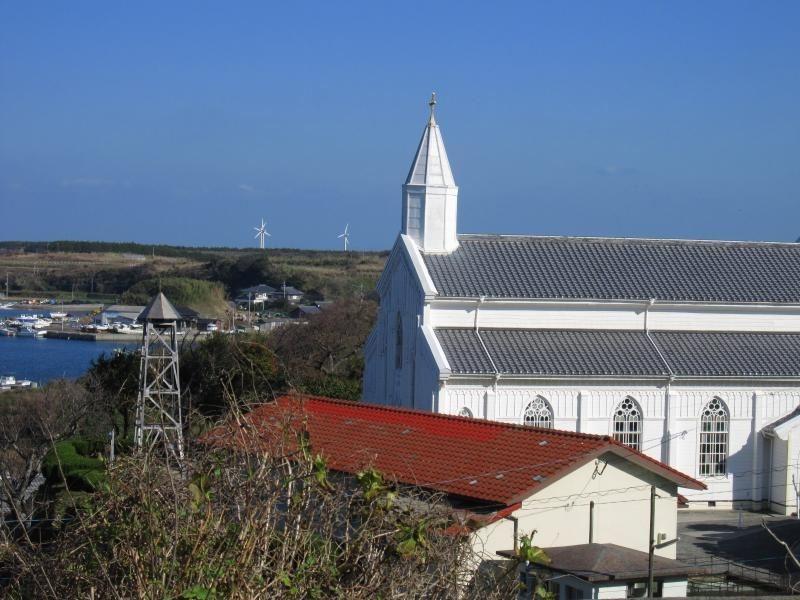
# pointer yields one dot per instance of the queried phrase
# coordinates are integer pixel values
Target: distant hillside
(78, 246)
(105, 271)
(206, 297)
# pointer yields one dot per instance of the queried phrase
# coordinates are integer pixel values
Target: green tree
(222, 367)
(325, 356)
(114, 382)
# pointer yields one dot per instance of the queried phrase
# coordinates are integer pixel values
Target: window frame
(625, 435)
(713, 444)
(536, 413)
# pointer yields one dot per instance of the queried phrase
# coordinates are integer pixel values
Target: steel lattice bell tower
(158, 409)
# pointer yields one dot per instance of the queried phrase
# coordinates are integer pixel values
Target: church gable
(529, 267)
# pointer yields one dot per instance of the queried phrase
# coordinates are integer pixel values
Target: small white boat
(34, 321)
(9, 382)
(58, 315)
(7, 332)
(31, 332)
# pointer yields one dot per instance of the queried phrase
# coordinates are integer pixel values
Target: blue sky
(186, 122)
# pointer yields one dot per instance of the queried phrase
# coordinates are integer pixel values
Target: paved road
(720, 534)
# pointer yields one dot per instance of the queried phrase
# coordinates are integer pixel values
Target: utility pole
(652, 546)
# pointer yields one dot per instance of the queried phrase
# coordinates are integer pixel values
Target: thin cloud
(617, 171)
(246, 188)
(86, 182)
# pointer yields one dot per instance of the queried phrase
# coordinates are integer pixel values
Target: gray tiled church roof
(546, 352)
(617, 269)
(721, 354)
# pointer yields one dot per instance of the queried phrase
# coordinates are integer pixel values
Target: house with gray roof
(256, 294)
(688, 350)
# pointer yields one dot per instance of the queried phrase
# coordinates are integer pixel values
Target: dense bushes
(73, 463)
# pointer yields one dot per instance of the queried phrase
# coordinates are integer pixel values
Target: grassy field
(95, 271)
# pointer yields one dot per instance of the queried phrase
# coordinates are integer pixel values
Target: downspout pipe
(480, 301)
(666, 449)
(647, 307)
(476, 328)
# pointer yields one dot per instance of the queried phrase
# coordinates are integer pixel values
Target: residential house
(605, 571)
(500, 480)
(304, 311)
(288, 293)
(257, 294)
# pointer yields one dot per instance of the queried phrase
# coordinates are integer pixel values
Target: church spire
(430, 194)
(430, 165)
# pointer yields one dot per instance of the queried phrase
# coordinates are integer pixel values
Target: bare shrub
(242, 522)
(31, 421)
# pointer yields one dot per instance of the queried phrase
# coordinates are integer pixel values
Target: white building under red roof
(501, 480)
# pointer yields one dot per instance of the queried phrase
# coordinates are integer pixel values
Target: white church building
(687, 350)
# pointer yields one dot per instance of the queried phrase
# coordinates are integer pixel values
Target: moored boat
(27, 331)
(9, 382)
(34, 321)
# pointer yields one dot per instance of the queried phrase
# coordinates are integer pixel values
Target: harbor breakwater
(91, 337)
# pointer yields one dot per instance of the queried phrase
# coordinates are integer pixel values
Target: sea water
(42, 359)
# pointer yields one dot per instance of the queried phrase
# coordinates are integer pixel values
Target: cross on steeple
(432, 104)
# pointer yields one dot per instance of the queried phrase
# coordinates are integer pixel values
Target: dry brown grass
(79, 262)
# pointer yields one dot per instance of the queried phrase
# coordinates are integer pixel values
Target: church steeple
(430, 194)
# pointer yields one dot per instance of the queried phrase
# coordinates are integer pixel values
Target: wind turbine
(345, 236)
(261, 234)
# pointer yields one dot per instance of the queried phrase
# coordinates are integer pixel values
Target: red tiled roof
(478, 459)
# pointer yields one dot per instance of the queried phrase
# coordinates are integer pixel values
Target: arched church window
(465, 412)
(538, 413)
(398, 343)
(628, 423)
(714, 421)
